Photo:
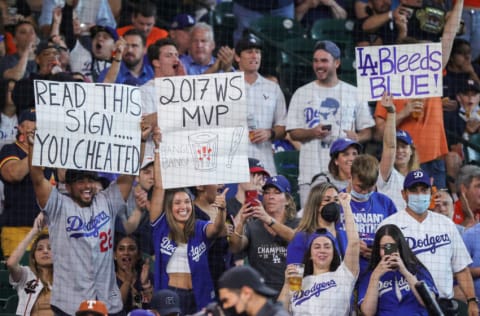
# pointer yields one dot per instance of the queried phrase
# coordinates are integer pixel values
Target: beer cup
(295, 276)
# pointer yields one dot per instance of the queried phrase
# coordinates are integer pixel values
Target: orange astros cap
(92, 306)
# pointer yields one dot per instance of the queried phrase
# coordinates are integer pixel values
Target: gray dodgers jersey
(82, 247)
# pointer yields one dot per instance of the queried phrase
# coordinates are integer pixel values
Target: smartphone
(251, 197)
(390, 248)
(327, 127)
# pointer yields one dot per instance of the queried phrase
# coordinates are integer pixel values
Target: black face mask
(331, 212)
(232, 312)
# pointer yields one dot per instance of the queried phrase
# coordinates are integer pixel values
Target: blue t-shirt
(395, 296)
(125, 76)
(470, 237)
(368, 215)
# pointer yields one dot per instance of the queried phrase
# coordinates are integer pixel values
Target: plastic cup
(295, 277)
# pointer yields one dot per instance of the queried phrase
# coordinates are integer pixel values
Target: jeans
(246, 16)
(187, 300)
(436, 170)
(471, 18)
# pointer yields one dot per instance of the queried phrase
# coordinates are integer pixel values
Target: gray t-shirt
(82, 247)
(267, 253)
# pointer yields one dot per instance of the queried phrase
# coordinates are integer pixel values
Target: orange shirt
(10, 44)
(428, 132)
(156, 33)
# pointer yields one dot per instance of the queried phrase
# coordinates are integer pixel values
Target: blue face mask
(419, 202)
(361, 196)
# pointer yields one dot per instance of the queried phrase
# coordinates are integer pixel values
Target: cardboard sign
(406, 71)
(87, 126)
(204, 130)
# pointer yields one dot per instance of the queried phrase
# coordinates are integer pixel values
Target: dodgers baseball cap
(165, 302)
(343, 143)
(94, 30)
(415, 177)
(182, 21)
(279, 182)
(92, 307)
(27, 115)
(256, 166)
(404, 136)
(238, 277)
(330, 47)
(247, 42)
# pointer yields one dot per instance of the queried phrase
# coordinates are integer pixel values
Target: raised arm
(389, 139)
(141, 201)
(450, 31)
(41, 185)
(112, 72)
(352, 254)
(13, 262)
(218, 225)
(158, 195)
(238, 241)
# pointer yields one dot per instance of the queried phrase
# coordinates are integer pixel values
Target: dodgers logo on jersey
(196, 252)
(327, 108)
(304, 295)
(167, 246)
(80, 229)
(429, 243)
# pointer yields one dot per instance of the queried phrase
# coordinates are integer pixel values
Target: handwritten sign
(406, 71)
(204, 130)
(87, 126)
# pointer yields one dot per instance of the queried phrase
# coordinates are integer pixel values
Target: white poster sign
(87, 126)
(406, 71)
(204, 130)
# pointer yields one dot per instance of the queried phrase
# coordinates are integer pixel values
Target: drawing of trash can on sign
(204, 149)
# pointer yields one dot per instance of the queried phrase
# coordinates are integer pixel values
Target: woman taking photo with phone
(263, 230)
(388, 286)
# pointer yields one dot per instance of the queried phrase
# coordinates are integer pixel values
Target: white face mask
(419, 202)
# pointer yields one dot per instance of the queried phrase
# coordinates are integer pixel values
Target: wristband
(156, 150)
(472, 299)
(390, 109)
(390, 15)
(272, 223)
(117, 60)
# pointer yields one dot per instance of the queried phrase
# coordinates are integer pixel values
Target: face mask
(418, 202)
(331, 212)
(360, 196)
(232, 312)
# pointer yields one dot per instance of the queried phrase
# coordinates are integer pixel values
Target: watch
(272, 223)
(472, 299)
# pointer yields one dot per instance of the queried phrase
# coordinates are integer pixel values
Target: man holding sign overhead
(322, 111)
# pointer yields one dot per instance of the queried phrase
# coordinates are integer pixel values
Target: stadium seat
(335, 30)
(6, 290)
(10, 306)
(295, 68)
(223, 23)
(273, 30)
(348, 72)
(471, 155)
(286, 163)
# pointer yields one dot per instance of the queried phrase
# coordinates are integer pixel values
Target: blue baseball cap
(415, 177)
(140, 312)
(404, 136)
(330, 47)
(182, 21)
(343, 143)
(101, 28)
(279, 182)
(165, 302)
